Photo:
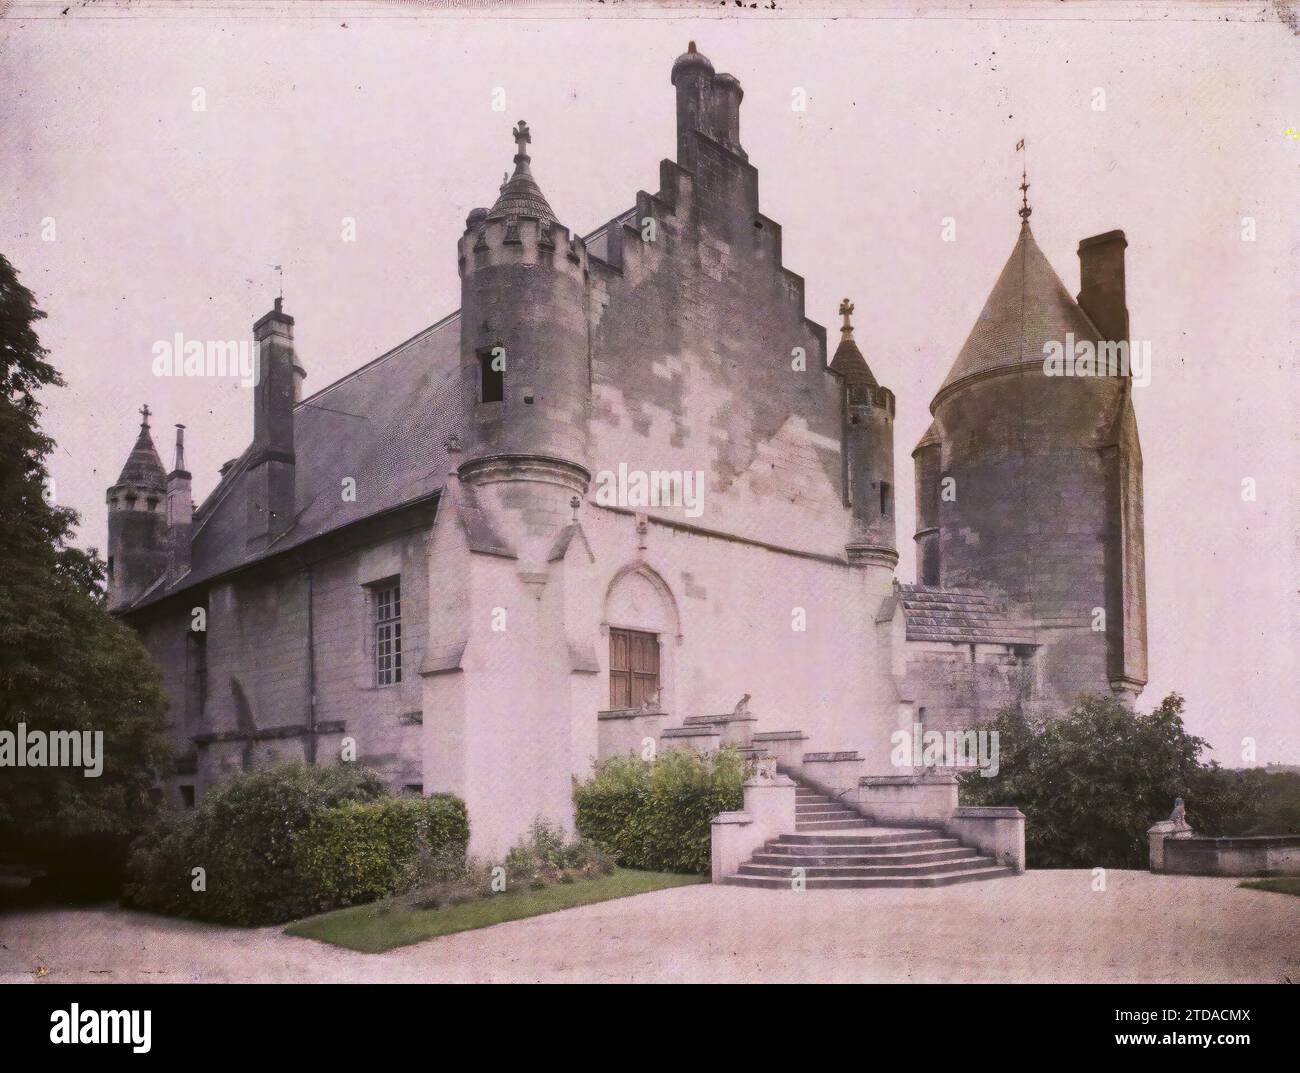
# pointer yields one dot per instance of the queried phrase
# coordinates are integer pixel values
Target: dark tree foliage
(64, 663)
(1091, 782)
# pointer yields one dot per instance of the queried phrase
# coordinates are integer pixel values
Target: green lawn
(374, 928)
(1281, 884)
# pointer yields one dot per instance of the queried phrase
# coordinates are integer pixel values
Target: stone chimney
(180, 512)
(706, 102)
(271, 462)
(1101, 283)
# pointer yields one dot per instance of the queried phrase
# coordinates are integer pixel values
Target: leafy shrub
(263, 837)
(655, 814)
(544, 855)
(1091, 782)
(362, 850)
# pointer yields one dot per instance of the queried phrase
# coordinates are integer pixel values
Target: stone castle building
(468, 563)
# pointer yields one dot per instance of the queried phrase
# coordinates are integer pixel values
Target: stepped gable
(958, 615)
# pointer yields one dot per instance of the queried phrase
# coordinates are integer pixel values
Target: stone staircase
(837, 848)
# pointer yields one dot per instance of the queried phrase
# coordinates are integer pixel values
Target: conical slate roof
(143, 466)
(848, 361)
(1028, 307)
(520, 195)
(931, 437)
(850, 364)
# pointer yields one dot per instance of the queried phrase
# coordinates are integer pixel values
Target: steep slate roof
(143, 466)
(520, 195)
(850, 364)
(931, 436)
(385, 425)
(959, 616)
(1028, 307)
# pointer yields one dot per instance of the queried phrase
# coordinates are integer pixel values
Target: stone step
(859, 849)
(802, 816)
(852, 823)
(893, 856)
(943, 879)
(821, 806)
(922, 868)
(867, 836)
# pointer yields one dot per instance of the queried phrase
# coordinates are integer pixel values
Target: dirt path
(1044, 926)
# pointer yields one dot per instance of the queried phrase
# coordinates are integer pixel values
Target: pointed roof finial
(520, 195)
(690, 46)
(522, 138)
(848, 360)
(1025, 210)
(144, 415)
(846, 310)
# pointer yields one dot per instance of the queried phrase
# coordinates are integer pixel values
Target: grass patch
(1280, 884)
(385, 925)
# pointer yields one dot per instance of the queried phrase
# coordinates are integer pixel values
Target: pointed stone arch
(625, 602)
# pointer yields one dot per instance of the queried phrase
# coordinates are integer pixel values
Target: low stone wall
(625, 730)
(833, 773)
(769, 812)
(906, 800)
(997, 831)
(1262, 855)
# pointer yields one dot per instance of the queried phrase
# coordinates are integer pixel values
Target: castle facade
(627, 497)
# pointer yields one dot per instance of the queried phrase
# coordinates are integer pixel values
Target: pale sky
(167, 219)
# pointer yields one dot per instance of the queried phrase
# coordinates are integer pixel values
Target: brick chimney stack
(1101, 283)
(271, 463)
(180, 512)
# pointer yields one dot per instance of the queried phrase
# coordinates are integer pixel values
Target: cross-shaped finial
(522, 138)
(144, 415)
(846, 308)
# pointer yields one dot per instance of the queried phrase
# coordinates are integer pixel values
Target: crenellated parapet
(525, 375)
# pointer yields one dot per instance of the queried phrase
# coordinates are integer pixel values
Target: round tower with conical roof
(868, 454)
(137, 521)
(525, 360)
(1020, 480)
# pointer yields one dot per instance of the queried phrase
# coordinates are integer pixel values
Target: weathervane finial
(1025, 210)
(144, 415)
(846, 310)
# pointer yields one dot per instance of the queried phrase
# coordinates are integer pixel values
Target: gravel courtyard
(1043, 926)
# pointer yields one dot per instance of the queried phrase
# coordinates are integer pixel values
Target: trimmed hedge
(359, 851)
(655, 815)
(263, 839)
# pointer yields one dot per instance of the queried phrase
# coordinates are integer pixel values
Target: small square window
(187, 796)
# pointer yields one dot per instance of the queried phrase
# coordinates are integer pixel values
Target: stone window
(886, 499)
(633, 668)
(187, 796)
(386, 601)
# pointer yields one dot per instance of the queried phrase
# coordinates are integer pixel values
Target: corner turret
(868, 452)
(137, 524)
(524, 347)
